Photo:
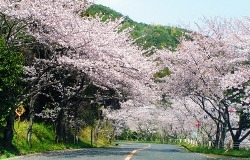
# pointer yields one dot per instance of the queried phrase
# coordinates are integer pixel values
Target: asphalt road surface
(124, 151)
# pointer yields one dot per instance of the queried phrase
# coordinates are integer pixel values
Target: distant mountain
(151, 35)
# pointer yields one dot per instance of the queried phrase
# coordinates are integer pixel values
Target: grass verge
(43, 139)
(215, 151)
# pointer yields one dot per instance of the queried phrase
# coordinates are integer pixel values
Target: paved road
(124, 151)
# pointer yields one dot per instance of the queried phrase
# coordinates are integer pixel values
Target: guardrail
(228, 145)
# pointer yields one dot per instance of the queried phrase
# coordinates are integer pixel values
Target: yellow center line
(134, 151)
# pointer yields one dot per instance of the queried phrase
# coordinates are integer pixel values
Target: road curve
(167, 152)
(124, 151)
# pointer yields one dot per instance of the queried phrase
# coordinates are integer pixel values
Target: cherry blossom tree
(95, 47)
(144, 122)
(206, 68)
(92, 46)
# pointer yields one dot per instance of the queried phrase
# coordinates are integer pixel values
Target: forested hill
(153, 35)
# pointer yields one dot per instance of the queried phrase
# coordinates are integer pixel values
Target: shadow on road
(90, 152)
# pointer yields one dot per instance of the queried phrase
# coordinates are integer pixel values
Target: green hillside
(157, 36)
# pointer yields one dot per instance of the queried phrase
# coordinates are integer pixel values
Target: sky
(178, 13)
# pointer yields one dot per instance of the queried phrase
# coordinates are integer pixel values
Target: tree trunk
(76, 135)
(96, 133)
(217, 136)
(223, 135)
(31, 119)
(236, 140)
(76, 126)
(236, 144)
(91, 136)
(59, 126)
(29, 132)
(66, 128)
(9, 130)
